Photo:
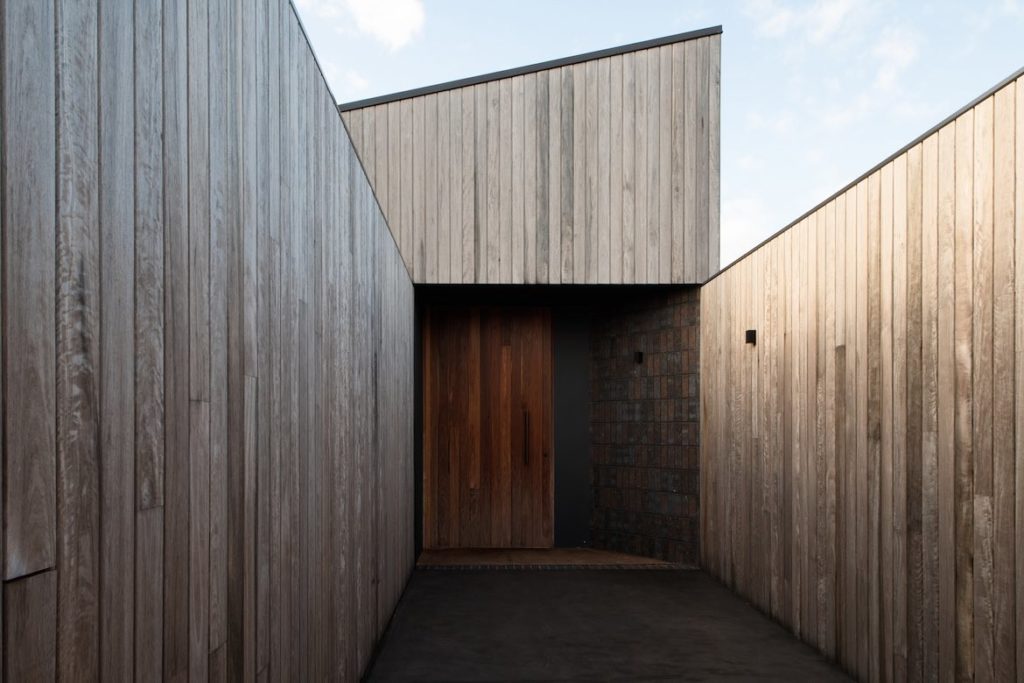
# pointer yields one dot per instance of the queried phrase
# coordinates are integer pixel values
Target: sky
(814, 93)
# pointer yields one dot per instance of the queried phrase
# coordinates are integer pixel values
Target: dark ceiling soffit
(532, 68)
(902, 150)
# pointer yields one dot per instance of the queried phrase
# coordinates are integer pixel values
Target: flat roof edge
(532, 68)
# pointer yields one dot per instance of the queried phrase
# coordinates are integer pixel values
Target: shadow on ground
(573, 625)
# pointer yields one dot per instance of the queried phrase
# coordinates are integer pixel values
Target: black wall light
(638, 357)
(752, 337)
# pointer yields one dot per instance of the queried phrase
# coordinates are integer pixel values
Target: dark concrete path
(594, 625)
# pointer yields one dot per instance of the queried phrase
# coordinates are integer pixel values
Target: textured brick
(645, 428)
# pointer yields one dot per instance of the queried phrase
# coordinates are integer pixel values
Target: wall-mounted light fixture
(752, 337)
(638, 357)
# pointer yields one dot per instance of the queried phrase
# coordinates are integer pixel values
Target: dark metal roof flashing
(540, 66)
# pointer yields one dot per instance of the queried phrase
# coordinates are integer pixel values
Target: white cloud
(746, 221)
(355, 81)
(393, 23)
(779, 122)
(1012, 7)
(773, 19)
(750, 162)
(347, 84)
(842, 113)
(826, 17)
(815, 23)
(895, 50)
(324, 9)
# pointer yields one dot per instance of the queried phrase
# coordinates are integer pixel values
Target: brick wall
(645, 425)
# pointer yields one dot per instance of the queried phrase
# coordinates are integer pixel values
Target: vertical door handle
(526, 436)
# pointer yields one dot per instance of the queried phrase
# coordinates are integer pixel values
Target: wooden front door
(487, 436)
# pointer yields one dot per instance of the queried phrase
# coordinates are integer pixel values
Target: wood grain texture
(1018, 148)
(191, 306)
(78, 336)
(920, 342)
(222, 189)
(581, 147)
(30, 638)
(117, 426)
(149, 257)
(176, 339)
(963, 443)
(629, 171)
(929, 410)
(714, 152)
(629, 167)
(487, 448)
(148, 586)
(1005, 360)
(546, 244)
(29, 299)
(982, 183)
(946, 407)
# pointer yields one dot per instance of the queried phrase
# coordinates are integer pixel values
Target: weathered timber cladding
(860, 465)
(207, 346)
(599, 172)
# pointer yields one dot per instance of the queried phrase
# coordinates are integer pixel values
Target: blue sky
(813, 93)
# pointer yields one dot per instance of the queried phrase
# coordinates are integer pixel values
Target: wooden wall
(207, 352)
(602, 171)
(863, 464)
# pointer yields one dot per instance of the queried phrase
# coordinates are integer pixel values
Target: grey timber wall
(207, 352)
(600, 171)
(862, 465)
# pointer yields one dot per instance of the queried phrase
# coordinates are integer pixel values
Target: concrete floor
(591, 624)
(523, 558)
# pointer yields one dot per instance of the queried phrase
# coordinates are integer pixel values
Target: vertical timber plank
(913, 301)
(628, 167)
(964, 417)
(981, 379)
(640, 204)
(29, 308)
(117, 340)
(30, 634)
(929, 409)
(176, 340)
(517, 201)
(1019, 367)
(714, 153)
(678, 127)
(1004, 597)
(615, 189)
(149, 256)
(665, 166)
(78, 336)
(900, 493)
(690, 228)
(946, 404)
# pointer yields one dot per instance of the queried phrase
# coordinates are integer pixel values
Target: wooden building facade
(863, 461)
(596, 169)
(209, 331)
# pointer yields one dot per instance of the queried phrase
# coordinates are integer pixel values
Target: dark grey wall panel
(574, 493)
